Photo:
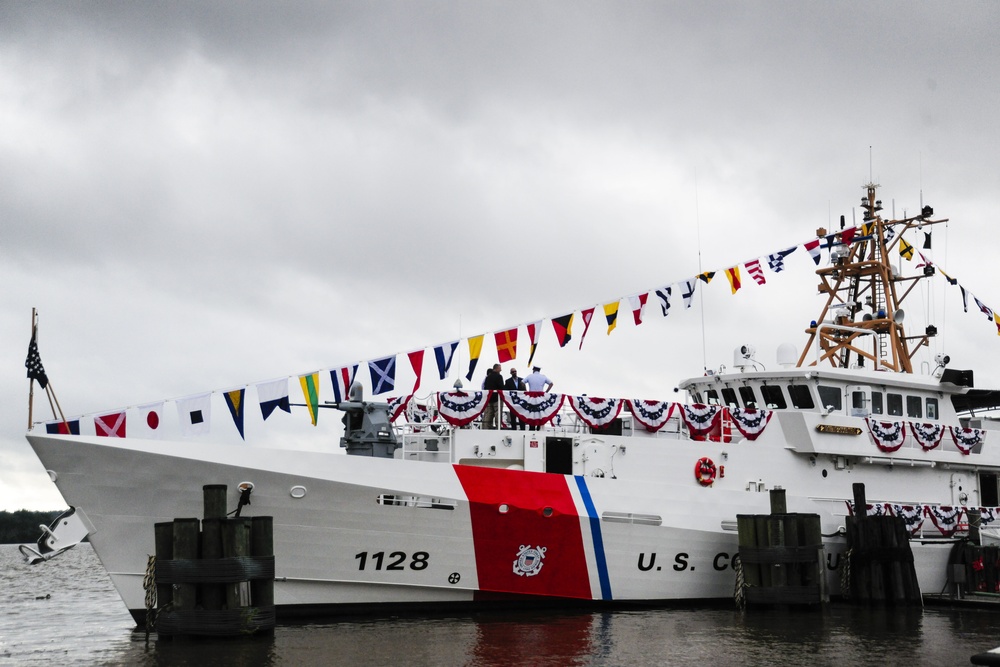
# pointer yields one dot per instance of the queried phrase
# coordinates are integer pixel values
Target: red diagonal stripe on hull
(499, 537)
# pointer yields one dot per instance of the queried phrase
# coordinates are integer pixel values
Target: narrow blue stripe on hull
(595, 531)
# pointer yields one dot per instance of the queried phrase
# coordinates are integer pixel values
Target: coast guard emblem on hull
(529, 561)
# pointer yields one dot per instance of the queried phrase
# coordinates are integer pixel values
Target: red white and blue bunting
(988, 515)
(534, 408)
(945, 518)
(397, 406)
(912, 515)
(966, 439)
(652, 414)
(750, 422)
(701, 419)
(596, 412)
(460, 408)
(871, 509)
(888, 436)
(927, 435)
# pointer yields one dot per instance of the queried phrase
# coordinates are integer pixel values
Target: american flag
(34, 364)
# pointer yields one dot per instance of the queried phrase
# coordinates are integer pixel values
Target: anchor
(66, 531)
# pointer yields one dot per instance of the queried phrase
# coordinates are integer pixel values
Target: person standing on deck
(494, 380)
(537, 382)
(514, 383)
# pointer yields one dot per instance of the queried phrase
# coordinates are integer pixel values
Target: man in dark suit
(514, 383)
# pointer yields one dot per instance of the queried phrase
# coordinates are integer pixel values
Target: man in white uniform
(538, 382)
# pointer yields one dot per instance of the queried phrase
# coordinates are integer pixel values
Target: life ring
(704, 471)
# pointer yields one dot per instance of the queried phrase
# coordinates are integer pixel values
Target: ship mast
(862, 321)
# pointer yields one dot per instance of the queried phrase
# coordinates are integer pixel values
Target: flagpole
(30, 363)
(52, 397)
(701, 297)
(48, 395)
(31, 381)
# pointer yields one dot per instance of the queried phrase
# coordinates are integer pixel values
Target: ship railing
(946, 444)
(426, 442)
(422, 429)
(927, 522)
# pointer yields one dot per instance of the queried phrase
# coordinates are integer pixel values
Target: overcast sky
(198, 196)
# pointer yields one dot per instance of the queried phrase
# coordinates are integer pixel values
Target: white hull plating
(370, 531)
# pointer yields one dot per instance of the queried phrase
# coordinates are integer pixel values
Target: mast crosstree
(862, 320)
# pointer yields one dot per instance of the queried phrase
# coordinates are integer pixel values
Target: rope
(845, 575)
(739, 595)
(149, 585)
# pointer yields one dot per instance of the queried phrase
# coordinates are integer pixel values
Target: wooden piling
(213, 596)
(164, 541)
(185, 547)
(760, 530)
(781, 556)
(214, 498)
(778, 503)
(880, 561)
(262, 547)
(860, 503)
(975, 519)
(219, 581)
(811, 533)
(746, 525)
(776, 524)
(236, 544)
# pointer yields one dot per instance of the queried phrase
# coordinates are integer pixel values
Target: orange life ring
(704, 471)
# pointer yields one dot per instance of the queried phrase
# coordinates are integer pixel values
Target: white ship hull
(396, 532)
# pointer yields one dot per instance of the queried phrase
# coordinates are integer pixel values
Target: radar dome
(787, 355)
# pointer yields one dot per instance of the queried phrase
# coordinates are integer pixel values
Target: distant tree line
(22, 526)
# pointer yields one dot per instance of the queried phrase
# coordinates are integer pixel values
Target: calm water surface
(66, 612)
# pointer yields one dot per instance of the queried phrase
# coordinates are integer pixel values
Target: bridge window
(932, 408)
(913, 405)
(749, 398)
(877, 403)
(895, 404)
(831, 397)
(773, 398)
(712, 397)
(729, 396)
(801, 396)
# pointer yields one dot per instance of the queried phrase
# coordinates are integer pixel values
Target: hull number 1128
(394, 561)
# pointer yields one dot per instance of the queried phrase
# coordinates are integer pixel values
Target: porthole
(503, 508)
(298, 491)
(824, 472)
(547, 511)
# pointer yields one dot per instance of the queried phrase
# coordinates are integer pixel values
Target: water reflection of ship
(554, 638)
